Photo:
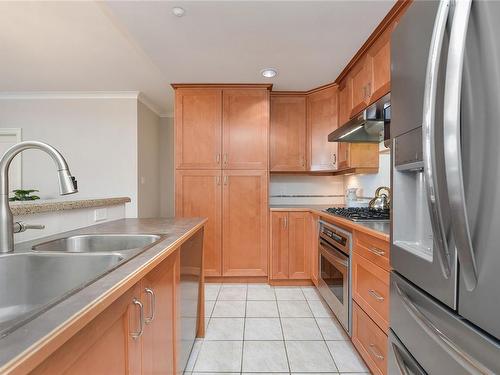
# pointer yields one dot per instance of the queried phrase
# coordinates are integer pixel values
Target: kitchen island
(117, 321)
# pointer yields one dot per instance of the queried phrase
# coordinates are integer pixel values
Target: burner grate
(360, 213)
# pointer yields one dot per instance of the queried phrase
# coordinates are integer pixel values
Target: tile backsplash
(299, 189)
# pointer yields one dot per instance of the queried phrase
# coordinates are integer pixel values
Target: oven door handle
(330, 254)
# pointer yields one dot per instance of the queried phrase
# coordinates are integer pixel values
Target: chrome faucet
(67, 185)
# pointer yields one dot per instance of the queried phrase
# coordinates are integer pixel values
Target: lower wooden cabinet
(135, 335)
(369, 340)
(290, 245)
(370, 289)
(245, 223)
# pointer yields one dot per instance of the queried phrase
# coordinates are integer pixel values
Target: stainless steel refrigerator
(445, 240)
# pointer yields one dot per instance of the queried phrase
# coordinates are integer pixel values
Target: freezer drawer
(440, 341)
(399, 359)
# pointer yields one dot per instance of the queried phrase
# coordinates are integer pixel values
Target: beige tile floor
(259, 329)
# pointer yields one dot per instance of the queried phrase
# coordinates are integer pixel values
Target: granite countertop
(33, 339)
(50, 205)
(377, 229)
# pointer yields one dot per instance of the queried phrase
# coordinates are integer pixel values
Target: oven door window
(334, 272)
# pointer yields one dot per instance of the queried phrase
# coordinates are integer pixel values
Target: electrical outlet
(100, 214)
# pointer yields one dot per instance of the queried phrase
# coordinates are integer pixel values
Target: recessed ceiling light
(269, 72)
(178, 11)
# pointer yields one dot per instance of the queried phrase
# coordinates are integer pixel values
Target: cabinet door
(379, 59)
(245, 128)
(279, 245)
(288, 133)
(314, 227)
(322, 119)
(299, 245)
(198, 193)
(360, 81)
(159, 299)
(343, 153)
(345, 101)
(198, 116)
(104, 346)
(245, 217)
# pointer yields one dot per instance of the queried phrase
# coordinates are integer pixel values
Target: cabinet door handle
(376, 352)
(217, 158)
(376, 251)
(369, 89)
(334, 159)
(217, 180)
(136, 335)
(225, 158)
(285, 221)
(152, 305)
(226, 180)
(375, 295)
(302, 161)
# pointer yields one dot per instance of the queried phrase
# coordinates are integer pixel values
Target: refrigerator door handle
(428, 138)
(452, 149)
(466, 361)
(403, 369)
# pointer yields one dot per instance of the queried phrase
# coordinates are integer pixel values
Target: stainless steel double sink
(52, 271)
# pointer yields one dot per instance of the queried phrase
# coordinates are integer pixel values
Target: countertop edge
(337, 220)
(35, 354)
(36, 207)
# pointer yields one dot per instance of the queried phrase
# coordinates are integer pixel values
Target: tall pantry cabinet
(221, 160)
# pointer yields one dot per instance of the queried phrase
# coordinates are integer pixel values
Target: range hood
(368, 126)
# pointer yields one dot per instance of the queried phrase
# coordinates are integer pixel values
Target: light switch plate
(100, 214)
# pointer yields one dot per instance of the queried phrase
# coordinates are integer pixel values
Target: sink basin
(89, 243)
(33, 282)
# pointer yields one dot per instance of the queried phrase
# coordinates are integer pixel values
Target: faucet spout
(67, 185)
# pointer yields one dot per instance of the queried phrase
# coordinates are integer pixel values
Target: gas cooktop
(361, 214)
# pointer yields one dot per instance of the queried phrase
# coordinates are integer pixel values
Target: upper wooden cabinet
(358, 157)
(245, 128)
(290, 245)
(198, 193)
(379, 67)
(360, 80)
(322, 119)
(245, 221)
(288, 133)
(345, 101)
(198, 124)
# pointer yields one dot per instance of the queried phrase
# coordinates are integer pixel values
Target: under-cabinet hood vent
(368, 126)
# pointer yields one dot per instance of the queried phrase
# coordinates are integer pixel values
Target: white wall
(298, 189)
(96, 135)
(367, 184)
(148, 141)
(167, 175)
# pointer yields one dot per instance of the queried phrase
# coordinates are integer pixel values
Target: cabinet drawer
(370, 340)
(371, 290)
(373, 249)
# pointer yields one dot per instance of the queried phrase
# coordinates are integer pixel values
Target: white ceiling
(140, 45)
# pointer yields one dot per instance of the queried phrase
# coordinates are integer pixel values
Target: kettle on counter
(382, 201)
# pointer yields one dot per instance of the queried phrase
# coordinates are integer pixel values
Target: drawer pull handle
(376, 352)
(136, 335)
(152, 305)
(375, 295)
(376, 251)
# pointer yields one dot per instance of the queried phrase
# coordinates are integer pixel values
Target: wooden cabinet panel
(343, 155)
(158, 296)
(360, 81)
(314, 227)
(198, 116)
(288, 133)
(322, 119)
(279, 245)
(345, 101)
(379, 60)
(370, 341)
(104, 346)
(198, 193)
(372, 249)
(299, 245)
(371, 290)
(358, 155)
(245, 127)
(245, 218)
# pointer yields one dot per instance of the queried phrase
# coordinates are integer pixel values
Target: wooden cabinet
(372, 249)
(345, 101)
(115, 342)
(288, 133)
(361, 156)
(322, 119)
(369, 340)
(245, 223)
(370, 290)
(361, 85)
(314, 226)
(290, 245)
(198, 193)
(198, 126)
(245, 128)
(379, 66)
